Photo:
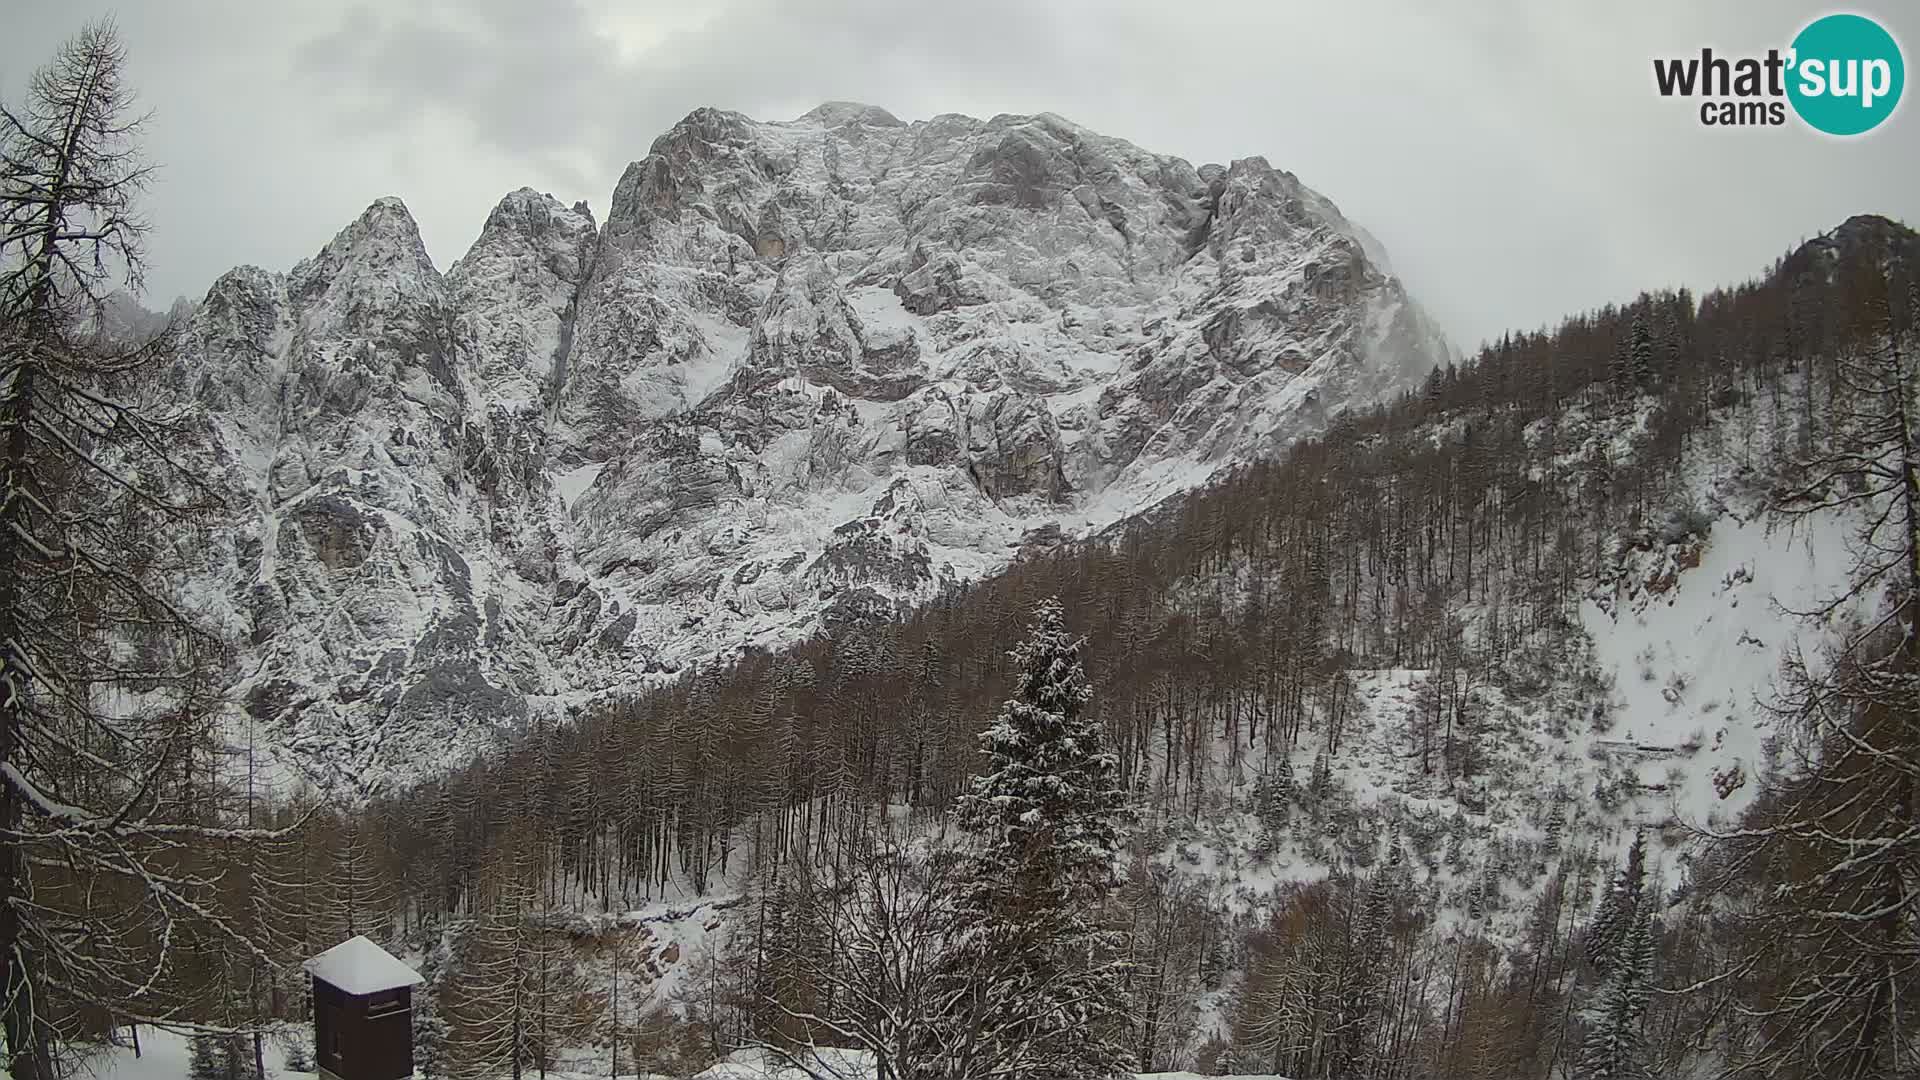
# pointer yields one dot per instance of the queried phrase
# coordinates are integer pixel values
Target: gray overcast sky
(1513, 156)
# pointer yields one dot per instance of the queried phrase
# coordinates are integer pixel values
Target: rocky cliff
(805, 373)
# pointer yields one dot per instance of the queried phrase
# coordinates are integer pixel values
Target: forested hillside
(1558, 719)
(1361, 697)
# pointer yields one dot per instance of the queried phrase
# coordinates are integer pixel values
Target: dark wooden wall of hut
(363, 1038)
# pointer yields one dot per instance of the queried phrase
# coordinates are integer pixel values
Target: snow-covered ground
(1694, 661)
(1677, 651)
(164, 1056)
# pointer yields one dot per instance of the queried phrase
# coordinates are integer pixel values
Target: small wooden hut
(362, 1012)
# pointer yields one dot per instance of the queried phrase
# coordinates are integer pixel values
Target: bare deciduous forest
(1221, 636)
(872, 866)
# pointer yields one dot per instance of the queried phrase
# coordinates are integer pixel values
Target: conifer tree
(361, 888)
(203, 1058)
(1634, 364)
(1615, 1047)
(430, 1027)
(486, 998)
(1273, 801)
(1282, 783)
(1619, 906)
(1032, 974)
(98, 512)
(1826, 942)
(505, 1000)
(1364, 980)
(218, 1057)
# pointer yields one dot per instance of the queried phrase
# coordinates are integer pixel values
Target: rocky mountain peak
(384, 236)
(529, 213)
(513, 295)
(374, 279)
(807, 372)
(1886, 239)
(836, 113)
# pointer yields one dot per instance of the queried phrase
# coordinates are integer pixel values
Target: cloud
(528, 80)
(1513, 157)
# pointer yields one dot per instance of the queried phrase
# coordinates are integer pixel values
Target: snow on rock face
(805, 372)
(513, 295)
(363, 573)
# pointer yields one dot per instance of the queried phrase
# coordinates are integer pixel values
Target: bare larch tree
(108, 859)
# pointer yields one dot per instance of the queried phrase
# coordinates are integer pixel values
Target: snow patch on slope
(573, 483)
(1695, 650)
(805, 374)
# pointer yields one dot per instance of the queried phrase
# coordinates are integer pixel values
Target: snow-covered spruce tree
(107, 843)
(1273, 798)
(1320, 784)
(1616, 1047)
(430, 1028)
(203, 1058)
(1032, 984)
(1274, 1011)
(237, 1059)
(298, 1049)
(218, 1057)
(1364, 979)
(484, 999)
(1623, 902)
(1640, 366)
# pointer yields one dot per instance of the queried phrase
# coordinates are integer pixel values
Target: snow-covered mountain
(805, 372)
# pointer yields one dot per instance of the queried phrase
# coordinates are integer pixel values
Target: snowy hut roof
(358, 966)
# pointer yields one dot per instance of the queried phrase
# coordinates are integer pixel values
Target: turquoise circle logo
(1846, 74)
